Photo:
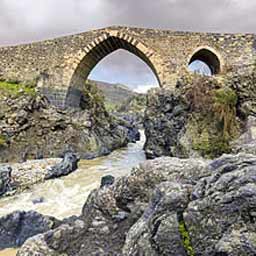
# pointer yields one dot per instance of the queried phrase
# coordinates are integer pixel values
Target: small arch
(209, 57)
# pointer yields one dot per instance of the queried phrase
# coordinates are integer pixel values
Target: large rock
(165, 119)
(115, 208)
(17, 227)
(222, 213)
(167, 206)
(17, 177)
(66, 166)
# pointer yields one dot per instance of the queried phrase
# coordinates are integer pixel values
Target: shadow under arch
(101, 47)
(208, 56)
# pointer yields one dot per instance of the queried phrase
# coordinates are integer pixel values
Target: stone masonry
(59, 67)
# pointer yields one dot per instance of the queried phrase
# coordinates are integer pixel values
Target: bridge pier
(62, 98)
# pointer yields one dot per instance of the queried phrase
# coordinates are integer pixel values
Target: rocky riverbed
(167, 206)
(197, 200)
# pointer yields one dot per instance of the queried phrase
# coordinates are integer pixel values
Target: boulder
(107, 180)
(66, 166)
(17, 227)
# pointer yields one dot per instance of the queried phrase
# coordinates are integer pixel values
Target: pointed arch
(87, 58)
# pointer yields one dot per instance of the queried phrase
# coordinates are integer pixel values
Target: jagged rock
(17, 177)
(129, 123)
(165, 119)
(222, 216)
(66, 166)
(246, 143)
(157, 231)
(38, 200)
(5, 179)
(33, 129)
(169, 206)
(133, 134)
(114, 209)
(17, 227)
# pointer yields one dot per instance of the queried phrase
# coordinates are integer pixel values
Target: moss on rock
(213, 121)
(2, 140)
(185, 238)
(15, 89)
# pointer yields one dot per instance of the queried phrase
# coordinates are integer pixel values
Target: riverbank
(65, 196)
(31, 128)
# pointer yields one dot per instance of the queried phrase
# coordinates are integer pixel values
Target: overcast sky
(30, 20)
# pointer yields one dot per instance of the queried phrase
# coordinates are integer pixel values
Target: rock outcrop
(66, 166)
(30, 128)
(165, 119)
(203, 116)
(167, 206)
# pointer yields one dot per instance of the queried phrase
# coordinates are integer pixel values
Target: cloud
(123, 67)
(30, 20)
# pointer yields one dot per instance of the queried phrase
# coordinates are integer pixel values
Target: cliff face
(203, 117)
(31, 128)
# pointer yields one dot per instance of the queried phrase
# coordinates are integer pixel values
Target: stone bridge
(59, 67)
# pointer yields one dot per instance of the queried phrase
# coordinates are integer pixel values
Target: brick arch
(210, 56)
(80, 66)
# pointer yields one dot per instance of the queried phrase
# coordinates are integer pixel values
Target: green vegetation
(225, 101)
(134, 104)
(92, 98)
(110, 107)
(2, 140)
(15, 89)
(213, 121)
(185, 238)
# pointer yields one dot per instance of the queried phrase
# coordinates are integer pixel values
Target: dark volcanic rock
(165, 119)
(5, 179)
(167, 206)
(66, 166)
(30, 128)
(222, 216)
(17, 227)
(133, 134)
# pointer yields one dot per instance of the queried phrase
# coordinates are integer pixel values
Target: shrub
(92, 98)
(225, 101)
(213, 115)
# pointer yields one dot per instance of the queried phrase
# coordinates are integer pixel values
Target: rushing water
(66, 196)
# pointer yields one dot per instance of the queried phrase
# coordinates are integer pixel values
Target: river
(66, 196)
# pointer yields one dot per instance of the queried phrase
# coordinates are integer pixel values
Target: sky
(32, 20)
